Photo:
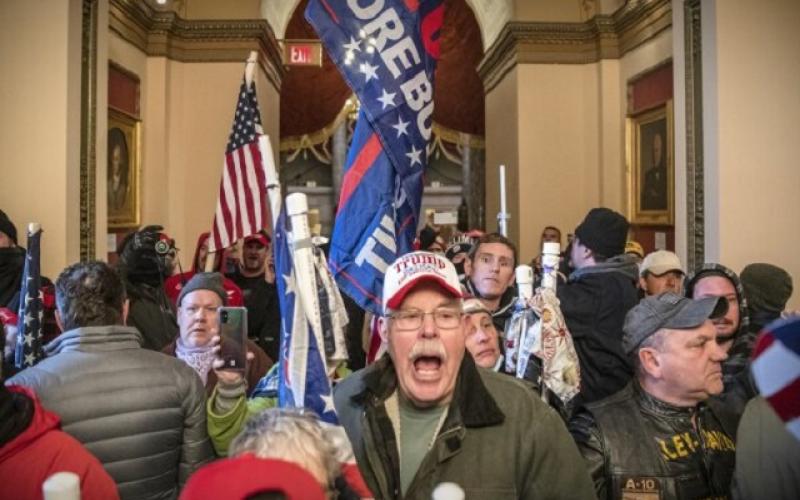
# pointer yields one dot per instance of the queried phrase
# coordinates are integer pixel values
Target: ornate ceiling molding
(602, 37)
(164, 33)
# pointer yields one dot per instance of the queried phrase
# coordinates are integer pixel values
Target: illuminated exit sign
(302, 53)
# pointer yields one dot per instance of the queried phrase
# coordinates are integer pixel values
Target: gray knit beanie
(766, 287)
(204, 281)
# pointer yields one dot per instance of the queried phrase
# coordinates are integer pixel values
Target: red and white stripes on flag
(776, 370)
(242, 207)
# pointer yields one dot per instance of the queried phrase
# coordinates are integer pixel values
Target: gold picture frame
(123, 170)
(651, 166)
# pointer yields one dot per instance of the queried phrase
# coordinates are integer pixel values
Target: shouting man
(424, 413)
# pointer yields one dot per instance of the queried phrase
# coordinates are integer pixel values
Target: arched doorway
(317, 112)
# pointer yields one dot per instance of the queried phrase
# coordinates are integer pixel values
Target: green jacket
(499, 440)
(225, 420)
(228, 409)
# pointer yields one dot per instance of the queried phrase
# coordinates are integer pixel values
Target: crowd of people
(132, 395)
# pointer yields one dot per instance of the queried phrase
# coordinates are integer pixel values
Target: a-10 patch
(641, 488)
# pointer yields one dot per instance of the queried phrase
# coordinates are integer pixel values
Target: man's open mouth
(427, 364)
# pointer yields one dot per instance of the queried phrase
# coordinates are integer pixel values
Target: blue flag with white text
(387, 52)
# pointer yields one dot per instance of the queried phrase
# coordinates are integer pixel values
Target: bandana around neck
(199, 358)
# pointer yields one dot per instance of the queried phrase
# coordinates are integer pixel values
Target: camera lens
(224, 315)
(162, 247)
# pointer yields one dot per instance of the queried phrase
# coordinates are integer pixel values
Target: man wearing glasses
(425, 414)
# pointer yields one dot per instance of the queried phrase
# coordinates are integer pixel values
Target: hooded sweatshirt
(32, 447)
(739, 387)
(743, 339)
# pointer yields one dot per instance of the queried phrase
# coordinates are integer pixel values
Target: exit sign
(302, 53)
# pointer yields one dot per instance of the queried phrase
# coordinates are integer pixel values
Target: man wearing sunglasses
(426, 414)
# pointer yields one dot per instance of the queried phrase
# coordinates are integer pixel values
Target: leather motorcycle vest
(654, 451)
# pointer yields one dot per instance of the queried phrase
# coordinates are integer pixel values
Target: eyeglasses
(412, 319)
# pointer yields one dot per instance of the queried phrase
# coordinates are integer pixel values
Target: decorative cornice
(164, 33)
(602, 37)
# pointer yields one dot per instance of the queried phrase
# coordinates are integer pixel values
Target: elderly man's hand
(225, 376)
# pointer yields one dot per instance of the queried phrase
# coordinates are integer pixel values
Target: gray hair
(654, 341)
(294, 435)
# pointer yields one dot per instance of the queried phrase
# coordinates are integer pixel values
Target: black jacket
(151, 313)
(263, 312)
(498, 440)
(635, 444)
(594, 302)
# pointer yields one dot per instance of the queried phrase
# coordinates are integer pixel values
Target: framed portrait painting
(123, 170)
(651, 167)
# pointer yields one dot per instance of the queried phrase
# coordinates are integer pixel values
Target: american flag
(241, 207)
(776, 370)
(29, 326)
(391, 72)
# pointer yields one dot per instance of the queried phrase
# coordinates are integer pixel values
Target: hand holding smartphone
(233, 334)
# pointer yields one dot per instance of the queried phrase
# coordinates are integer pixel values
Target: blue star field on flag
(303, 382)
(29, 328)
(387, 52)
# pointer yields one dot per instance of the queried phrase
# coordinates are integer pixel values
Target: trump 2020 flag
(29, 327)
(387, 52)
(303, 381)
(241, 206)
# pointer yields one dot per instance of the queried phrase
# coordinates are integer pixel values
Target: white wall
(40, 64)
(751, 96)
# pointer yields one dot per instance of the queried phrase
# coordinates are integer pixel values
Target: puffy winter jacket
(39, 449)
(141, 413)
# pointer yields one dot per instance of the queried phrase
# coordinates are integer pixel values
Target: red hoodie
(174, 284)
(44, 449)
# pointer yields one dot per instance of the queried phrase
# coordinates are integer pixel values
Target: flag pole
(265, 148)
(503, 216)
(303, 259)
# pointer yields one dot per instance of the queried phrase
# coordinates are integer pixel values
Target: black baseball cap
(668, 310)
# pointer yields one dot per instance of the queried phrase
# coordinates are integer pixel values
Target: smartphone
(233, 333)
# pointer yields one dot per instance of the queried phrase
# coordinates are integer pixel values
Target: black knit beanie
(766, 287)
(603, 231)
(8, 227)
